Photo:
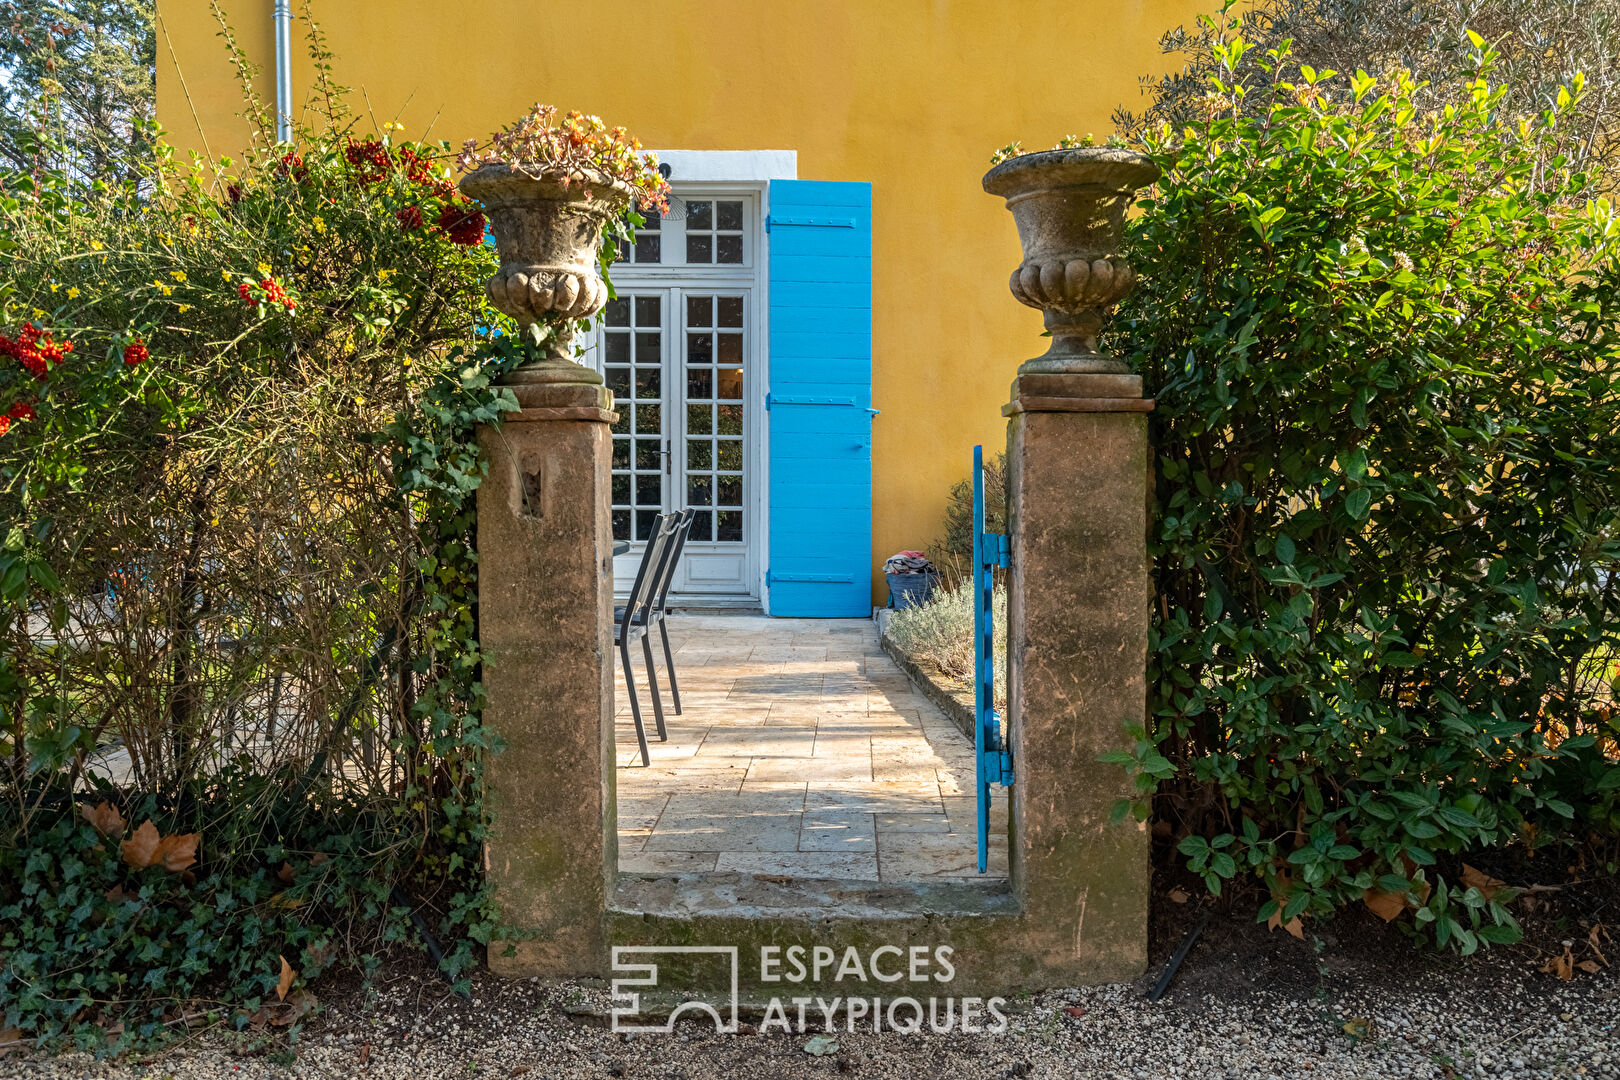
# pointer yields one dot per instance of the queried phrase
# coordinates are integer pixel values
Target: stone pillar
(545, 612)
(1077, 460)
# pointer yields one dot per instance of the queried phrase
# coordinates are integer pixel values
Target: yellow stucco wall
(911, 95)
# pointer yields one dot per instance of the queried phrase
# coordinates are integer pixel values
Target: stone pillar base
(1077, 475)
(545, 599)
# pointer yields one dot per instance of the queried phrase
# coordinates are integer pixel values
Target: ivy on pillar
(545, 583)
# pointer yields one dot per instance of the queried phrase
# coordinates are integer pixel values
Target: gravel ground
(1530, 1026)
(1350, 1000)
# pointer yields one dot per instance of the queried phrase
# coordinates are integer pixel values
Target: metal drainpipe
(283, 17)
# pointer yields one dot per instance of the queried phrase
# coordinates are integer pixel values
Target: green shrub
(940, 632)
(237, 578)
(953, 551)
(1383, 345)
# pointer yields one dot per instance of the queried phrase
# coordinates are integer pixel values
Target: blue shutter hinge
(773, 220)
(1002, 554)
(806, 399)
(1006, 769)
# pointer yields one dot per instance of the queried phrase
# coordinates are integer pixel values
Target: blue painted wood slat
(820, 559)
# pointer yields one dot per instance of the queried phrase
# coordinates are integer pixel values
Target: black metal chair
(634, 619)
(660, 608)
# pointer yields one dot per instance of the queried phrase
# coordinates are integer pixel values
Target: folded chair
(633, 620)
(660, 607)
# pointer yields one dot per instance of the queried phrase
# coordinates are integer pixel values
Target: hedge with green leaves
(1383, 346)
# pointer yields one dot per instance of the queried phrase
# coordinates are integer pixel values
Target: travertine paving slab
(801, 751)
(938, 856)
(837, 830)
(877, 797)
(667, 862)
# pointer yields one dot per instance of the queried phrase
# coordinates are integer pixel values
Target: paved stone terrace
(803, 752)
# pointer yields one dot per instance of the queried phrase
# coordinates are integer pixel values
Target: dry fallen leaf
(177, 852)
(1589, 966)
(1074, 1010)
(1478, 879)
(104, 816)
(285, 983)
(365, 1053)
(1295, 927)
(1592, 941)
(1358, 1027)
(1386, 905)
(1561, 966)
(299, 1004)
(140, 850)
(286, 873)
(10, 1039)
(1179, 896)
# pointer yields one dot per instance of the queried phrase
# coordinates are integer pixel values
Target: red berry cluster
(268, 291)
(292, 164)
(135, 352)
(372, 162)
(22, 410)
(463, 222)
(35, 350)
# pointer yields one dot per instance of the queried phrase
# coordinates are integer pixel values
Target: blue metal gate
(992, 755)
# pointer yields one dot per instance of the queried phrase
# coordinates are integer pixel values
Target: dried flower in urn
(577, 148)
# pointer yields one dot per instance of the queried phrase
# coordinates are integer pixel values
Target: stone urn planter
(549, 236)
(1070, 206)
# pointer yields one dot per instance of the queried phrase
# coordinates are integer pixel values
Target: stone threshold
(772, 897)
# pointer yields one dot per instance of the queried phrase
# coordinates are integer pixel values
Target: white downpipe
(283, 17)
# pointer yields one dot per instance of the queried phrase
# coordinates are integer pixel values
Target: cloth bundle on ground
(908, 562)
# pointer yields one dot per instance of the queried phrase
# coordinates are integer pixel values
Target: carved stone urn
(549, 236)
(1070, 206)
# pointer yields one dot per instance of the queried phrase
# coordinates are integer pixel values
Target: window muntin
(713, 365)
(633, 368)
(712, 231)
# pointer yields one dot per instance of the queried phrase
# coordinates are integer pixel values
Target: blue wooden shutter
(820, 560)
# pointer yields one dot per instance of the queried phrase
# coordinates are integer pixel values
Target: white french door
(677, 361)
(680, 350)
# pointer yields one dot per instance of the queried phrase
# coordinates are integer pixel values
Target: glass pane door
(634, 363)
(677, 361)
(714, 416)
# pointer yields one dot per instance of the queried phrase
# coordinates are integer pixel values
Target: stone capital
(1077, 393)
(542, 401)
